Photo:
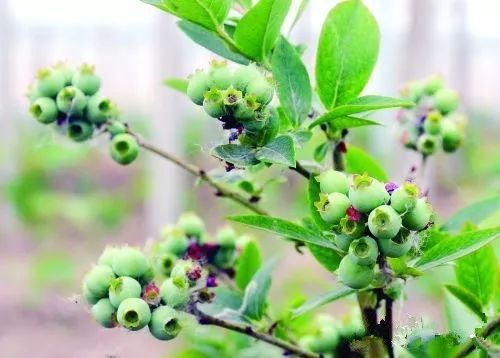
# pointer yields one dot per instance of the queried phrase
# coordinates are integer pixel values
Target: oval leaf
(358, 162)
(248, 264)
(468, 299)
(281, 150)
(329, 259)
(235, 154)
(179, 84)
(322, 300)
(347, 51)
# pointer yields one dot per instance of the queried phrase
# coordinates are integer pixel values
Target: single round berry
(226, 237)
(49, 82)
(80, 130)
(418, 218)
(446, 100)
(452, 136)
(124, 148)
(432, 124)
(86, 80)
(165, 263)
(133, 314)
(433, 84)
(244, 75)
(174, 295)
(174, 241)
(231, 98)
(343, 241)
(213, 104)
(262, 89)
(165, 323)
(147, 276)
(246, 108)
(115, 127)
(100, 110)
(191, 224)
(333, 207)
(364, 251)
(384, 222)
(197, 86)
(130, 262)
(354, 275)
(186, 269)
(90, 298)
(219, 75)
(428, 144)
(108, 255)
(416, 90)
(404, 198)
(122, 288)
(66, 71)
(71, 100)
(352, 229)
(367, 193)
(98, 280)
(332, 181)
(44, 109)
(104, 313)
(225, 257)
(397, 246)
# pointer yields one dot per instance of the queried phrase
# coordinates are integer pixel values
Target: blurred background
(61, 202)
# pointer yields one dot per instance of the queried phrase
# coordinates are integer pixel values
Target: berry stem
(248, 330)
(301, 170)
(222, 190)
(469, 346)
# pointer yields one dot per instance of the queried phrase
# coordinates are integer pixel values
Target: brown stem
(301, 170)
(222, 190)
(469, 346)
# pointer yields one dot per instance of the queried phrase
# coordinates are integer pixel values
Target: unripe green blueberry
(133, 314)
(452, 136)
(174, 241)
(433, 84)
(213, 104)
(124, 148)
(71, 100)
(86, 80)
(100, 110)
(384, 222)
(343, 241)
(225, 257)
(164, 324)
(49, 82)
(90, 298)
(44, 109)
(427, 144)
(231, 98)
(244, 75)
(197, 86)
(191, 224)
(332, 207)
(418, 218)
(394, 289)
(80, 130)
(367, 193)
(352, 229)
(98, 280)
(147, 276)
(262, 89)
(115, 127)
(104, 313)
(66, 71)
(108, 255)
(246, 108)
(174, 295)
(432, 124)
(122, 288)
(397, 246)
(166, 263)
(354, 275)
(226, 237)
(446, 100)
(130, 262)
(364, 251)
(219, 75)
(332, 181)
(416, 91)
(186, 269)
(404, 198)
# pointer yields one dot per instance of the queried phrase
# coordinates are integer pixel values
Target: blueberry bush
(372, 234)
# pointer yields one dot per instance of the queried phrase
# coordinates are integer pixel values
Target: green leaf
(207, 13)
(401, 268)
(235, 154)
(255, 299)
(347, 53)
(293, 85)
(280, 150)
(320, 151)
(358, 162)
(456, 247)
(211, 41)
(257, 31)
(335, 294)
(179, 84)
(248, 264)
(284, 228)
(301, 137)
(313, 196)
(328, 258)
(473, 213)
(359, 105)
(468, 299)
(351, 122)
(247, 4)
(477, 272)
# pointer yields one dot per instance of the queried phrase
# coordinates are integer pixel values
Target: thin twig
(221, 189)
(487, 330)
(249, 331)
(301, 170)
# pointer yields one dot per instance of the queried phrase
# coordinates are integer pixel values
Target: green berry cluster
(121, 290)
(368, 217)
(239, 99)
(70, 99)
(434, 122)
